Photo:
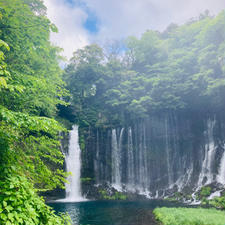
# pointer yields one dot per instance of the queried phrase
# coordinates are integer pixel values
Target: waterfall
(130, 162)
(184, 179)
(169, 168)
(137, 162)
(116, 159)
(206, 171)
(97, 161)
(140, 160)
(73, 164)
(158, 156)
(221, 174)
(143, 161)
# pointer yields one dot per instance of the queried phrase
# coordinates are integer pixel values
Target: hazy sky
(81, 22)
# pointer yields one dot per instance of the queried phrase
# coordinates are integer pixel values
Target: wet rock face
(53, 195)
(157, 156)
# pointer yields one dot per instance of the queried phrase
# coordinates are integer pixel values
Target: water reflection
(74, 212)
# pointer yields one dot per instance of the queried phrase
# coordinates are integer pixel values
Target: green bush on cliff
(218, 202)
(115, 196)
(205, 191)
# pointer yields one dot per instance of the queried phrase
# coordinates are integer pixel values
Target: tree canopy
(182, 68)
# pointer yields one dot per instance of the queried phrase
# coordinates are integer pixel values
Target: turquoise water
(111, 212)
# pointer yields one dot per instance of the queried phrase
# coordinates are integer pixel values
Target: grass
(189, 216)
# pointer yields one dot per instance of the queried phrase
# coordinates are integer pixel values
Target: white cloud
(121, 18)
(69, 21)
(132, 17)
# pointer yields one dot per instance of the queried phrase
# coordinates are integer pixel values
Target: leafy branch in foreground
(31, 89)
(33, 145)
(20, 204)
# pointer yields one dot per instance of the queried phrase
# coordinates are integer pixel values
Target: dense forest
(179, 69)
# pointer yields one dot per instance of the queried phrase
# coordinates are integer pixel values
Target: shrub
(20, 204)
(189, 216)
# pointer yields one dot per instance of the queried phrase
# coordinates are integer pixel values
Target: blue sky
(81, 22)
(91, 24)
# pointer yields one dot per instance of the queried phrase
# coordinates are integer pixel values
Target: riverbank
(189, 216)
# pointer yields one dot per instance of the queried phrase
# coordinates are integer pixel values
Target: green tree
(31, 88)
(32, 60)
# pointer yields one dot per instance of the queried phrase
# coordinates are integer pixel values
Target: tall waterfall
(97, 161)
(73, 164)
(135, 166)
(206, 171)
(168, 154)
(116, 159)
(143, 181)
(221, 175)
(130, 162)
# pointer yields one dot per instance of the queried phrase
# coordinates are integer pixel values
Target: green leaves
(36, 84)
(4, 74)
(31, 88)
(29, 94)
(24, 206)
(3, 83)
(32, 145)
(4, 44)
